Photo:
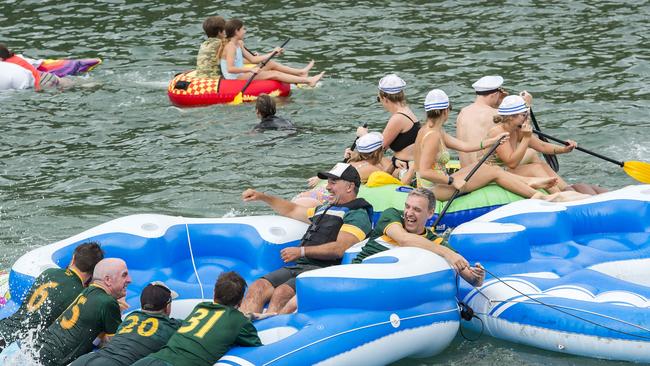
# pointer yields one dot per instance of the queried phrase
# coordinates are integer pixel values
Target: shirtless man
(475, 120)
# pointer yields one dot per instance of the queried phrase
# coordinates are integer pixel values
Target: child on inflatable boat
(233, 53)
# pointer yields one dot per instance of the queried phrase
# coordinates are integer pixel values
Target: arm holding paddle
(348, 152)
(464, 146)
(551, 149)
(464, 181)
(259, 59)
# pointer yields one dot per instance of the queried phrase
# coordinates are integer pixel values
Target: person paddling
(233, 54)
(431, 155)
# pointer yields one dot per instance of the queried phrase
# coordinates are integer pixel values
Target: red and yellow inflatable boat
(186, 90)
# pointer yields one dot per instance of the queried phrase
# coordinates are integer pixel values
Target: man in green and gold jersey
(210, 330)
(52, 292)
(408, 228)
(142, 332)
(94, 313)
(333, 228)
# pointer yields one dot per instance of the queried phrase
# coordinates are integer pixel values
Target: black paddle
(638, 170)
(467, 178)
(354, 144)
(239, 98)
(551, 160)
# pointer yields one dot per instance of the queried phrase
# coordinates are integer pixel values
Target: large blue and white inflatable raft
(396, 304)
(568, 277)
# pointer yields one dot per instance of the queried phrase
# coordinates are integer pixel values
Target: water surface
(114, 146)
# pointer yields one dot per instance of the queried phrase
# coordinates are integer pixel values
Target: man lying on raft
(211, 329)
(39, 79)
(333, 228)
(407, 229)
(52, 292)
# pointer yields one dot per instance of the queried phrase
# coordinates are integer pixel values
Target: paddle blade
(239, 99)
(638, 170)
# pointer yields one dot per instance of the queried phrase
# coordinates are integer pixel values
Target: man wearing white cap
(333, 229)
(475, 120)
(142, 332)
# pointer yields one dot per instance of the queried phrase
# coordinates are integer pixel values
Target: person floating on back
(207, 61)
(210, 330)
(265, 110)
(143, 331)
(233, 54)
(52, 292)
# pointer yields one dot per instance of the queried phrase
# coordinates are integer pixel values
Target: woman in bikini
(512, 118)
(233, 54)
(402, 127)
(431, 155)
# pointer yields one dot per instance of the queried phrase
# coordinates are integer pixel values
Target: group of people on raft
(66, 310)
(223, 54)
(421, 151)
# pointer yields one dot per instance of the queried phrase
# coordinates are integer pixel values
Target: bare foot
(537, 183)
(539, 196)
(305, 70)
(314, 79)
(567, 196)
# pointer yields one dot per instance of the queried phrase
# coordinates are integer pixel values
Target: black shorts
(287, 275)
(395, 159)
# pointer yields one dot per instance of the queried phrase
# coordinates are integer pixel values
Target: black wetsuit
(274, 123)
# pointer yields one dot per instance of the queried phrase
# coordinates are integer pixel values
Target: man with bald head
(95, 313)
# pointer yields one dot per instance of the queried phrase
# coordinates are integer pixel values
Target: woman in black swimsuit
(402, 127)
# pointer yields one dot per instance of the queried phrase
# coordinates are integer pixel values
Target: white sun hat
(512, 104)
(488, 83)
(391, 84)
(436, 99)
(370, 142)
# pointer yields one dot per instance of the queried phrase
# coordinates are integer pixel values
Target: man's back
(140, 334)
(472, 126)
(207, 334)
(49, 296)
(71, 335)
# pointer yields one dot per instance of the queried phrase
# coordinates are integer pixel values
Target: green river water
(114, 146)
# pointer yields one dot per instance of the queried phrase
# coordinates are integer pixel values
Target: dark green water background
(114, 145)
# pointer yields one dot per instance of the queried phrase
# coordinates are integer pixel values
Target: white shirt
(13, 76)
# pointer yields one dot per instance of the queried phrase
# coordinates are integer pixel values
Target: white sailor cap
(487, 83)
(370, 142)
(391, 84)
(436, 99)
(512, 104)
